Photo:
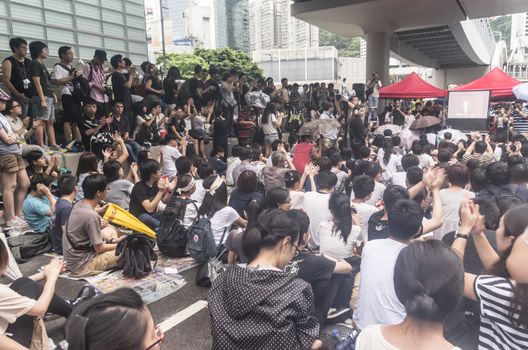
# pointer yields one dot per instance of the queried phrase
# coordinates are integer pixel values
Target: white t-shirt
(12, 306)
(377, 301)
(269, 127)
(315, 205)
(331, 242)
(232, 163)
(59, 72)
(190, 214)
(170, 154)
(221, 221)
(372, 339)
(426, 161)
(400, 179)
(199, 193)
(297, 198)
(364, 211)
(341, 177)
(377, 195)
(451, 201)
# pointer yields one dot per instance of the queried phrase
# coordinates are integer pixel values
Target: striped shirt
(520, 124)
(495, 296)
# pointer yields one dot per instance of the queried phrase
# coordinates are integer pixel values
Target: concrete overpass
(451, 36)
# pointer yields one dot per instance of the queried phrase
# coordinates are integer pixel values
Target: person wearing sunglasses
(118, 320)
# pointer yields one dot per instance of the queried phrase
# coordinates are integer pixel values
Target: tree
(226, 59)
(346, 47)
(223, 59)
(185, 62)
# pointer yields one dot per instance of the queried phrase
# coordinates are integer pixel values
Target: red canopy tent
(499, 83)
(412, 87)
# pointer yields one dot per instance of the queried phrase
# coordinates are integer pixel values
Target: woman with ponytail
(258, 305)
(118, 320)
(502, 294)
(429, 282)
(339, 236)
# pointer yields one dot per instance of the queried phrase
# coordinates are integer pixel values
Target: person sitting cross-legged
(89, 242)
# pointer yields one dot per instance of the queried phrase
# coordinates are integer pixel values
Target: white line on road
(181, 316)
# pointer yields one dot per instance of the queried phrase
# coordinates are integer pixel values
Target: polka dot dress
(261, 309)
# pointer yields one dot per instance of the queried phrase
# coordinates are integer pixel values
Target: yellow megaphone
(119, 216)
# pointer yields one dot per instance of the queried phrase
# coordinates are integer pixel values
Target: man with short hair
(93, 72)
(63, 76)
(15, 74)
(245, 156)
(121, 124)
(67, 190)
(89, 242)
(196, 86)
(94, 131)
(363, 187)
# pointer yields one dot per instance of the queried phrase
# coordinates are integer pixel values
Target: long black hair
(341, 210)
(272, 226)
(515, 222)
(270, 109)
(213, 202)
(93, 325)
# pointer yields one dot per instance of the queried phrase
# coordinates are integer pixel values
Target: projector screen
(468, 110)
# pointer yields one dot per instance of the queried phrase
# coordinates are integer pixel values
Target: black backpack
(172, 235)
(136, 252)
(504, 193)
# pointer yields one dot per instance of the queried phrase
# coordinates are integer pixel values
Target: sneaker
(338, 315)
(55, 148)
(86, 293)
(16, 222)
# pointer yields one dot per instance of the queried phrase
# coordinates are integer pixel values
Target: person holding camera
(63, 75)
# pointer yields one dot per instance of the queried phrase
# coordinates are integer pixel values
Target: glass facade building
(117, 26)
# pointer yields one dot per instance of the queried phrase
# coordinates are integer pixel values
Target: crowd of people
(414, 245)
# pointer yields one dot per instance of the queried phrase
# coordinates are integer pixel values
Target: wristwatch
(461, 235)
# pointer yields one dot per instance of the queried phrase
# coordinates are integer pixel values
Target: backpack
(172, 235)
(81, 86)
(29, 245)
(200, 240)
(136, 252)
(499, 195)
(84, 85)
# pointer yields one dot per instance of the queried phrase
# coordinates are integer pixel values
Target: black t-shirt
(170, 86)
(214, 94)
(314, 269)
(140, 192)
(122, 125)
(194, 85)
(239, 200)
(121, 91)
(84, 125)
(37, 69)
(377, 228)
(398, 117)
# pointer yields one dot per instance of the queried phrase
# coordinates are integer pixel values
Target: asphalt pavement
(193, 333)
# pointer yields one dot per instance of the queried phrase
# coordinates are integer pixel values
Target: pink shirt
(302, 155)
(98, 78)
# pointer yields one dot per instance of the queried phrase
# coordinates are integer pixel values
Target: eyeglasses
(158, 333)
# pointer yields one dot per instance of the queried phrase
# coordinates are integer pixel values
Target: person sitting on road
(122, 312)
(119, 188)
(63, 207)
(39, 204)
(260, 306)
(89, 242)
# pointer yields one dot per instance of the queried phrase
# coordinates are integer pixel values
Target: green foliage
(346, 47)
(502, 24)
(223, 59)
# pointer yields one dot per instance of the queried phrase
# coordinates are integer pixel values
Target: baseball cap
(100, 54)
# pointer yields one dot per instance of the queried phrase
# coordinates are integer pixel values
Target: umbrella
(457, 135)
(396, 129)
(424, 122)
(324, 127)
(119, 216)
(257, 99)
(521, 91)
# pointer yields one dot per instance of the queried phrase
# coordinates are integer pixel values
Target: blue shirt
(37, 212)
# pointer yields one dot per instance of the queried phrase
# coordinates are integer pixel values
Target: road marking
(181, 316)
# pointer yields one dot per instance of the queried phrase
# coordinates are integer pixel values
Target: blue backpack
(200, 240)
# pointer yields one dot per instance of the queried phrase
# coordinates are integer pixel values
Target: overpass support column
(378, 54)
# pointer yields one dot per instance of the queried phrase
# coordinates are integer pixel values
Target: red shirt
(302, 155)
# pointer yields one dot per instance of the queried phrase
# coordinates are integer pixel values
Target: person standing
(93, 72)
(44, 99)
(122, 82)
(15, 74)
(372, 90)
(63, 76)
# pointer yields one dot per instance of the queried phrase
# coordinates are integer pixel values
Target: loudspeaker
(359, 88)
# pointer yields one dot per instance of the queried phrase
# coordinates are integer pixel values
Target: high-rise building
(118, 26)
(273, 27)
(518, 60)
(191, 24)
